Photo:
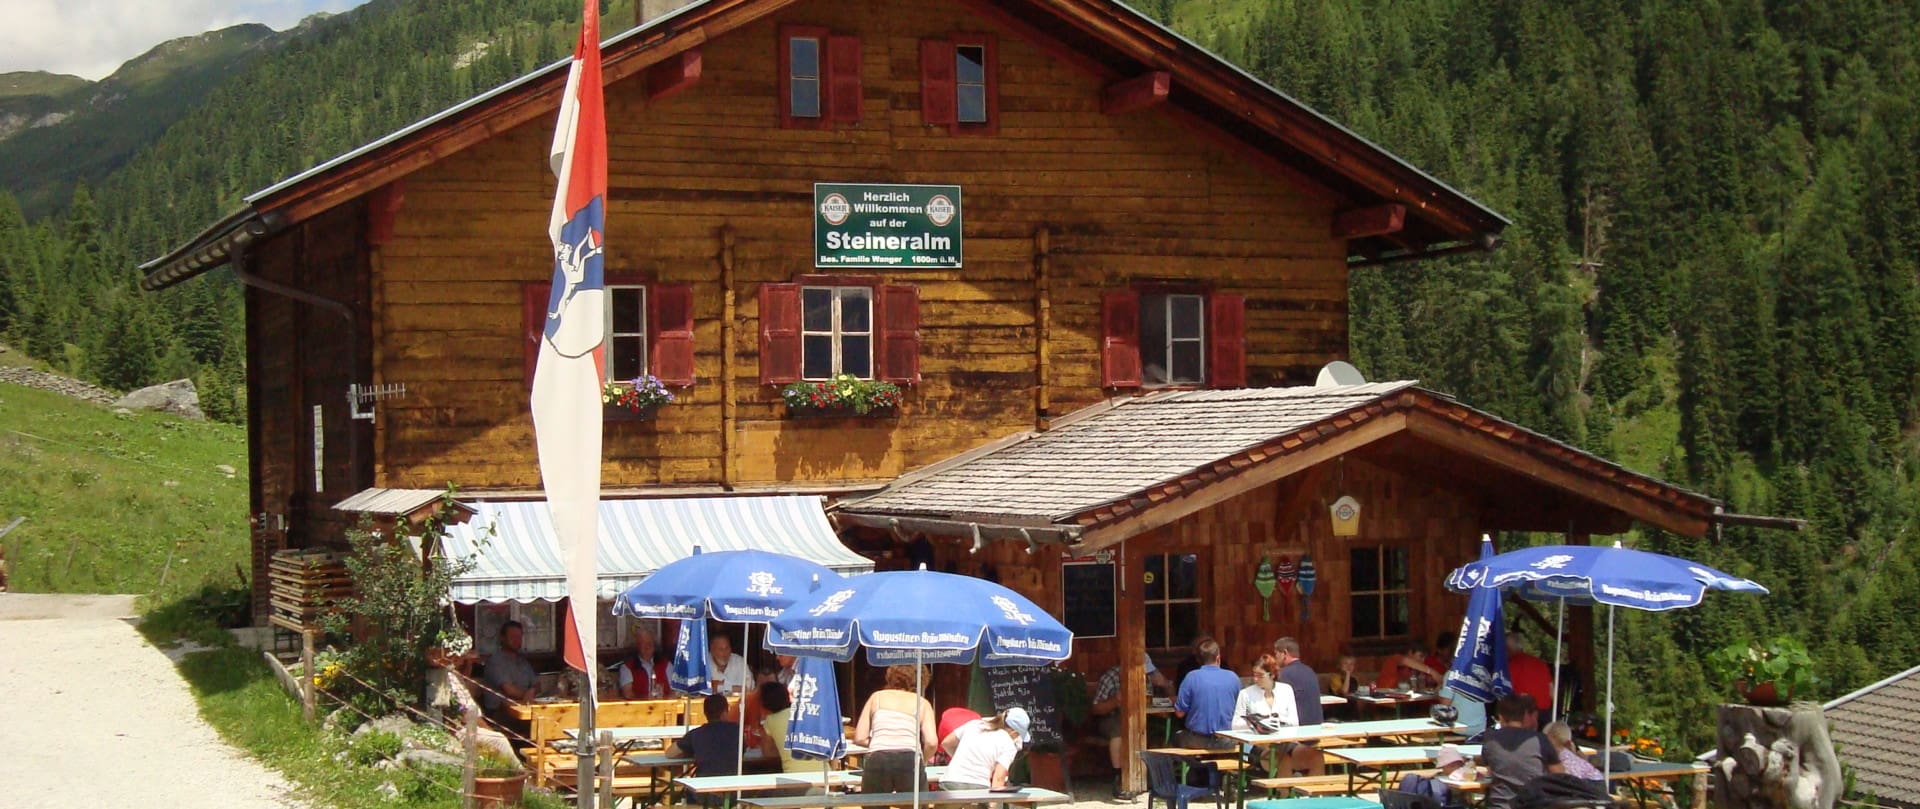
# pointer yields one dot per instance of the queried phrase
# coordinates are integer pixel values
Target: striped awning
(517, 557)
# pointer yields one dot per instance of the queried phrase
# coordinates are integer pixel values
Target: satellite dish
(1338, 373)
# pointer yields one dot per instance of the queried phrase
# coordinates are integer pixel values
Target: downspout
(729, 474)
(243, 270)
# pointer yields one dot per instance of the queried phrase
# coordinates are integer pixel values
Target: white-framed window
(1173, 340)
(626, 332)
(1381, 592)
(804, 91)
(970, 83)
(836, 331)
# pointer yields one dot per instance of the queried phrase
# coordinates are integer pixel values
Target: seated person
(1449, 761)
(641, 675)
(1106, 708)
(773, 738)
(1264, 707)
(1515, 753)
(1561, 734)
(1407, 670)
(714, 746)
(1345, 680)
(1206, 699)
(509, 680)
(983, 751)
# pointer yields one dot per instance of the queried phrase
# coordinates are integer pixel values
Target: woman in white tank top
(886, 729)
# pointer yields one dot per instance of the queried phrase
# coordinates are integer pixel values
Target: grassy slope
(101, 515)
(38, 83)
(241, 698)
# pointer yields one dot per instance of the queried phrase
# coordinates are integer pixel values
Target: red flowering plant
(637, 394)
(862, 396)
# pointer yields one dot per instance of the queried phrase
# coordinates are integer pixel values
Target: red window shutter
(899, 333)
(533, 324)
(671, 351)
(843, 79)
(938, 106)
(1120, 339)
(779, 333)
(1227, 343)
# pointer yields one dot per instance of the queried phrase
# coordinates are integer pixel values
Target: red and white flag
(566, 380)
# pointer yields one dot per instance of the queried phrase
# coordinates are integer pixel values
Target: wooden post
(608, 764)
(1130, 625)
(308, 675)
(1042, 321)
(729, 466)
(470, 745)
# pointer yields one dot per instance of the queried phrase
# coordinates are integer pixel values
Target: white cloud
(90, 38)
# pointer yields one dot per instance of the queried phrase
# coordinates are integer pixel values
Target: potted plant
(843, 395)
(499, 780)
(636, 399)
(1772, 673)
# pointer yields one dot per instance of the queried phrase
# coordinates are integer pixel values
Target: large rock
(1775, 758)
(177, 397)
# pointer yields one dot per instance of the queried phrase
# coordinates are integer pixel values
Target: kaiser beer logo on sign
(835, 209)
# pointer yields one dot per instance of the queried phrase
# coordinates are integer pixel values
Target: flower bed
(843, 395)
(634, 400)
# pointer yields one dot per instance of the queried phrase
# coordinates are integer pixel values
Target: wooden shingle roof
(1877, 732)
(1105, 469)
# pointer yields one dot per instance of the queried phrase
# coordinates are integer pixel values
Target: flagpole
(586, 782)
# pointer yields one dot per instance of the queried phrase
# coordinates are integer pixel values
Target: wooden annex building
(1150, 264)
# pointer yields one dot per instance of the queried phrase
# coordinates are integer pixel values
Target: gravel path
(93, 716)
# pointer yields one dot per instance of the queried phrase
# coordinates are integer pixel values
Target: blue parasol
(1479, 669)
(1594, 575)
(688, 673)
(921, 616)
(924, 616)
(751, 586)
(814, 726)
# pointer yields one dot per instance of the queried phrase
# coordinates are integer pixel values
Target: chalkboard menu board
(1089, 593)
(1029, 687)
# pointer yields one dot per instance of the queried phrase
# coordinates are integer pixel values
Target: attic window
(819, 78)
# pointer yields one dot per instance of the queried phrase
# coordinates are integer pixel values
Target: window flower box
(844, 396)
(639, 399)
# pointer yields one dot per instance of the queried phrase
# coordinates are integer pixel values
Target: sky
(90, 38)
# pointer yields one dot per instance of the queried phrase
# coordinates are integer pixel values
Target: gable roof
(1877, 731)
(1108, 39)
(1115, 469)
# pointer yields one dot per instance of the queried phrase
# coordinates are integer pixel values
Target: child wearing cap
(983, 750)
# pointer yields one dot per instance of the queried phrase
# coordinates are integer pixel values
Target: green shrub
(372, 747)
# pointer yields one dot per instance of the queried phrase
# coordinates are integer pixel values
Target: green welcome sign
(878, 225)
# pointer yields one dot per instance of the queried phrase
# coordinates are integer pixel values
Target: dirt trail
(92, 715)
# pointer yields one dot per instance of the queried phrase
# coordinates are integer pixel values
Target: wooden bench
(549, 723)
(1029, 796)
(1304, 782)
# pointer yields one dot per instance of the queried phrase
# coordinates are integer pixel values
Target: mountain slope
(54, 132)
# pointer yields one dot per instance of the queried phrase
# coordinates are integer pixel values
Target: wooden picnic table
(1025, 796)
(1637, 779)
(1345, 730)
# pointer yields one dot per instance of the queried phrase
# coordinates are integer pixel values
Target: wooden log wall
(1128, 198)
(1440, 528)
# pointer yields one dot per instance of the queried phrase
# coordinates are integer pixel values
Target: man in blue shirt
(1206, 700)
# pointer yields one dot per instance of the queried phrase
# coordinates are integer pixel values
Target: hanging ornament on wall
(1285, 574)
(1263, 580)
(1307, 578)
(1346, 516)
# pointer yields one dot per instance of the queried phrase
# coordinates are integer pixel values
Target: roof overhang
(1613, 496)
(1266, 127)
